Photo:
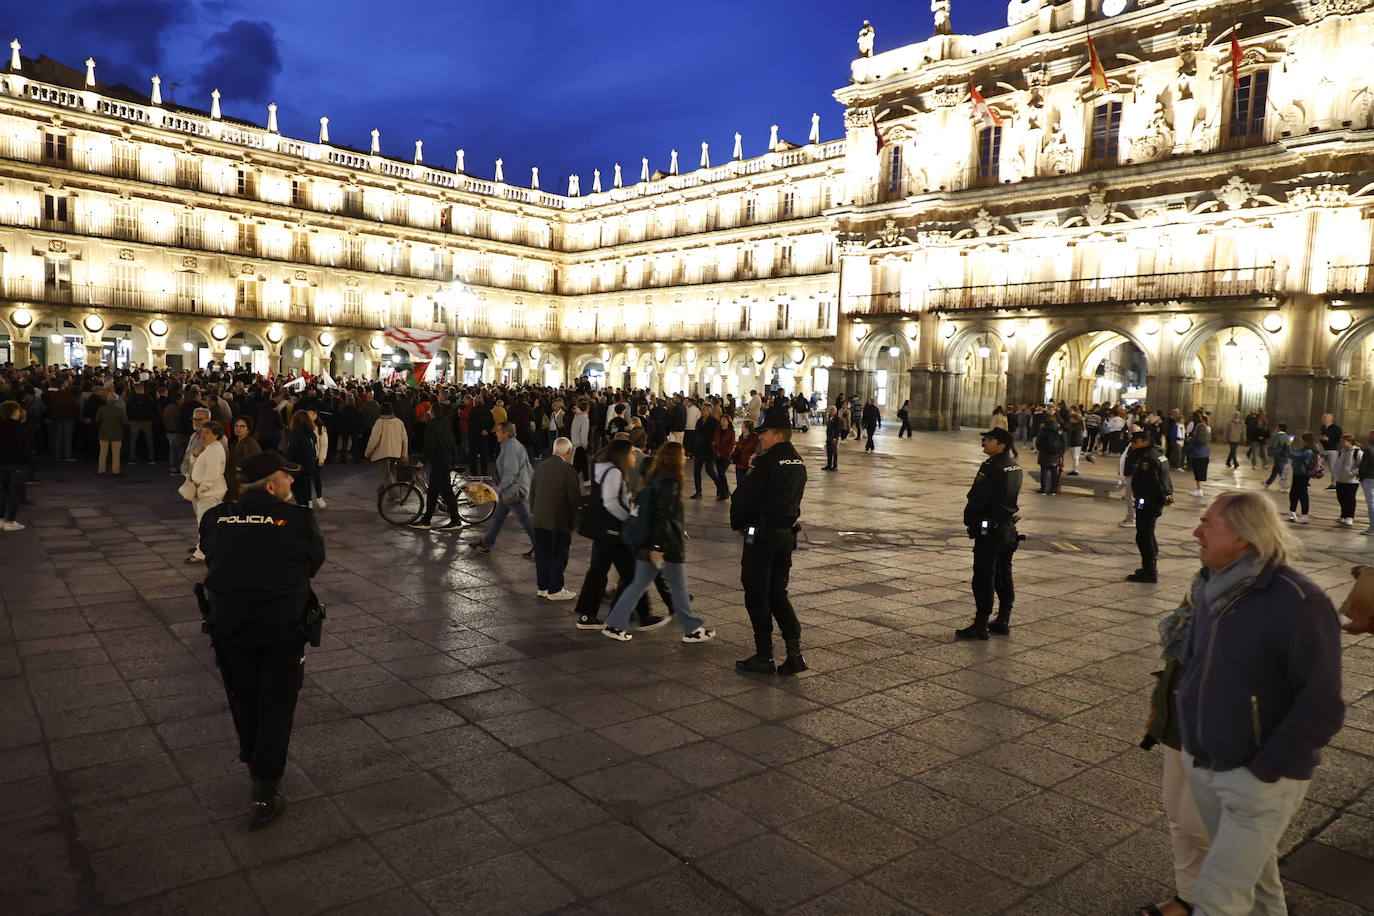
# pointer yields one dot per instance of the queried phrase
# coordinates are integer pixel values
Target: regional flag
(877, 134)
(981, 109)
(1099, 76)
(424, 344)
(1235, 54)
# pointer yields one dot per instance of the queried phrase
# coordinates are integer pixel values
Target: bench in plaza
(1099, 486)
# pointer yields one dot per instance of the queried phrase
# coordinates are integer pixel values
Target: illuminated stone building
(1195, 233)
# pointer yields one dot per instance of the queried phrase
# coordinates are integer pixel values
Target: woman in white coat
(206, 483)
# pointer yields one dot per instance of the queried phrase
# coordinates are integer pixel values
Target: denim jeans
(522, 514)
(550, 558)
(1368, 486)
(645, 573)
(12, 478)
(62, 432)
(176, 448)
(1244, 818)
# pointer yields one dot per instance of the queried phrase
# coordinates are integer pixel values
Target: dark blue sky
(565, 85)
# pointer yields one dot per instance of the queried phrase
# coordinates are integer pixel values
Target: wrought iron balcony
(1349, 279)
(1227, 283)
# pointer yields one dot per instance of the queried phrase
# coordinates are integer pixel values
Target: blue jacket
(1262, 687)
(1301, 459)
(513, 470)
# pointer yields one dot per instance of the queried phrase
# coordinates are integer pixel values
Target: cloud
(127, 38)
(242, 62)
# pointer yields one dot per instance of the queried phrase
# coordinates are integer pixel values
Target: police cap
(264, 464)
(1140, 434)
(1001, 435)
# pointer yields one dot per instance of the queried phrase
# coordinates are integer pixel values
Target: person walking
(16, 453)
(1235, 435)
(1303, 462)
(1199, 447)
(723, 448)
(257, 605)
(1330, 441)
(555, 496)
(1049, 454)
(856, 417)
(834, 433)
(1153, 489)
(1259, 699)
(110, 421)
(990, 519)
(904, 414)
(1345, 471)
(664, 548)
(241, 447)
(302, 449)
(387, 444)
(1075, 434)
(703, 455)
(743, 453)
(439, 453)
(873, 421)
(1280, 451)
(765, 510)
(1366, 475)
(205, 486)
(513, 487)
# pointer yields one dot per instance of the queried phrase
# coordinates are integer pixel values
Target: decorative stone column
(158, 355)
(20, 350)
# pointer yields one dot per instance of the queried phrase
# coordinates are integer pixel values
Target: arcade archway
(1093, 367)
(1228, 369)
(981, 358)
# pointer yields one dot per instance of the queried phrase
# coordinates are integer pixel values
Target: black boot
(1002, 625)
(795, 663)
(759, 663)
(976, 630)
(267, 802)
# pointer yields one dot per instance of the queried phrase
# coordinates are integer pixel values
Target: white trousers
(1186, 830)
(1244, 818)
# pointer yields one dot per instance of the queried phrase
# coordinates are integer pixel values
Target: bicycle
(403, 502)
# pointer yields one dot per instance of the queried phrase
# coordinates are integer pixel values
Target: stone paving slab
(461, 748)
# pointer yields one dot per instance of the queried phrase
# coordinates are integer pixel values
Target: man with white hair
(555, 495)
(1259, 698)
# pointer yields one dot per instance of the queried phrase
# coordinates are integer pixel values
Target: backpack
(594, 519)
(1317, 466)
(637, 530)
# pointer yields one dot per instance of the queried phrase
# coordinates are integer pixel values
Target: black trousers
(477, 455)
(868, 446)
(1297, 494)
(1345, 495)
(992, 577)
(608, 552)
(765, 568)
(262, 664)
(905, 430)
(1145, 519)
(704, 459)
(440, 488)
(832, 453)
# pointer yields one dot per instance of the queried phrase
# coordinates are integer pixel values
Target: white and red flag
(981, 108)
(421, 345)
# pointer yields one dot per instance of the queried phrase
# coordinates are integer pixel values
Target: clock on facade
(1114, 7)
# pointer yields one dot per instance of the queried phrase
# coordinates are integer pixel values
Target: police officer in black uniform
(990, 517)
(1152, 489)
(260, 553)
(764, 509)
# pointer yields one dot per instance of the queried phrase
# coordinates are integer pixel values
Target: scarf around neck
(1209, 590)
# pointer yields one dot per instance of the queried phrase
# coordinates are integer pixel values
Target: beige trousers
(1186, 829)
(112, 449)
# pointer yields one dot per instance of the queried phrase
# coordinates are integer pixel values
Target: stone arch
(1198, 336)
(1060, 368)
(1042, 352)
(979, 381)
(1347, 344)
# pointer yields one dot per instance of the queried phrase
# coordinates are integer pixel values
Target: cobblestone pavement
(461, 748)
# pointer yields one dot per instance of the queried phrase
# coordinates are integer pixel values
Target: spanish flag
(1099, 76)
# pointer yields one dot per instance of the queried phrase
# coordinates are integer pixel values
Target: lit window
(1248, 104)
(989, 152)
(1106, 131)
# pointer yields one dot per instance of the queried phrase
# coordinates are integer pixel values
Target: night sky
(565, 85)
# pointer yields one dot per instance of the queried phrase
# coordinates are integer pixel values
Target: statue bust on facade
(866, 40)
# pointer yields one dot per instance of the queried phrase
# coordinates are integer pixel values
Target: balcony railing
(697, 331)
(1350, 279)
(1227, 283)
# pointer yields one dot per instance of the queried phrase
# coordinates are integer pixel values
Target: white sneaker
(319, 503)
(700, 634)
(1348, 522)
(1197, 492)
(11, 526)
(1292, 516)
(541, 594)
(1302, 520)
(1126, 523)
(561, 595)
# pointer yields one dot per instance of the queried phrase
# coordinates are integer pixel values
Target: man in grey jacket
(513, 475)
(1260, 697)
(555, 495)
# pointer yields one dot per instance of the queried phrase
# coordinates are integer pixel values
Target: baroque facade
(1196, 233)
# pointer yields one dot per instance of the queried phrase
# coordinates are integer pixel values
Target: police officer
(1152, 489)
(260, 552)
(765, 508)
(990, 517)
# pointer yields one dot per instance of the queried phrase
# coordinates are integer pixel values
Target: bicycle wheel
(401, 503)
(470, 512)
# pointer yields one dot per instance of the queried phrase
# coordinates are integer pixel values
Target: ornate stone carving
(1157, 140)
(57, 246)
(1058, 153)
(1019, 11)
(247, 270)
(890, 236)
(126, 254)
(933, 236)
(188, 262)
(1097, 211)
(1236, 193)
(1322, 195)
(1320, 9)
(300, 275)
(351, 281)
(858, 117)
(985, 224)
(948, 96)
